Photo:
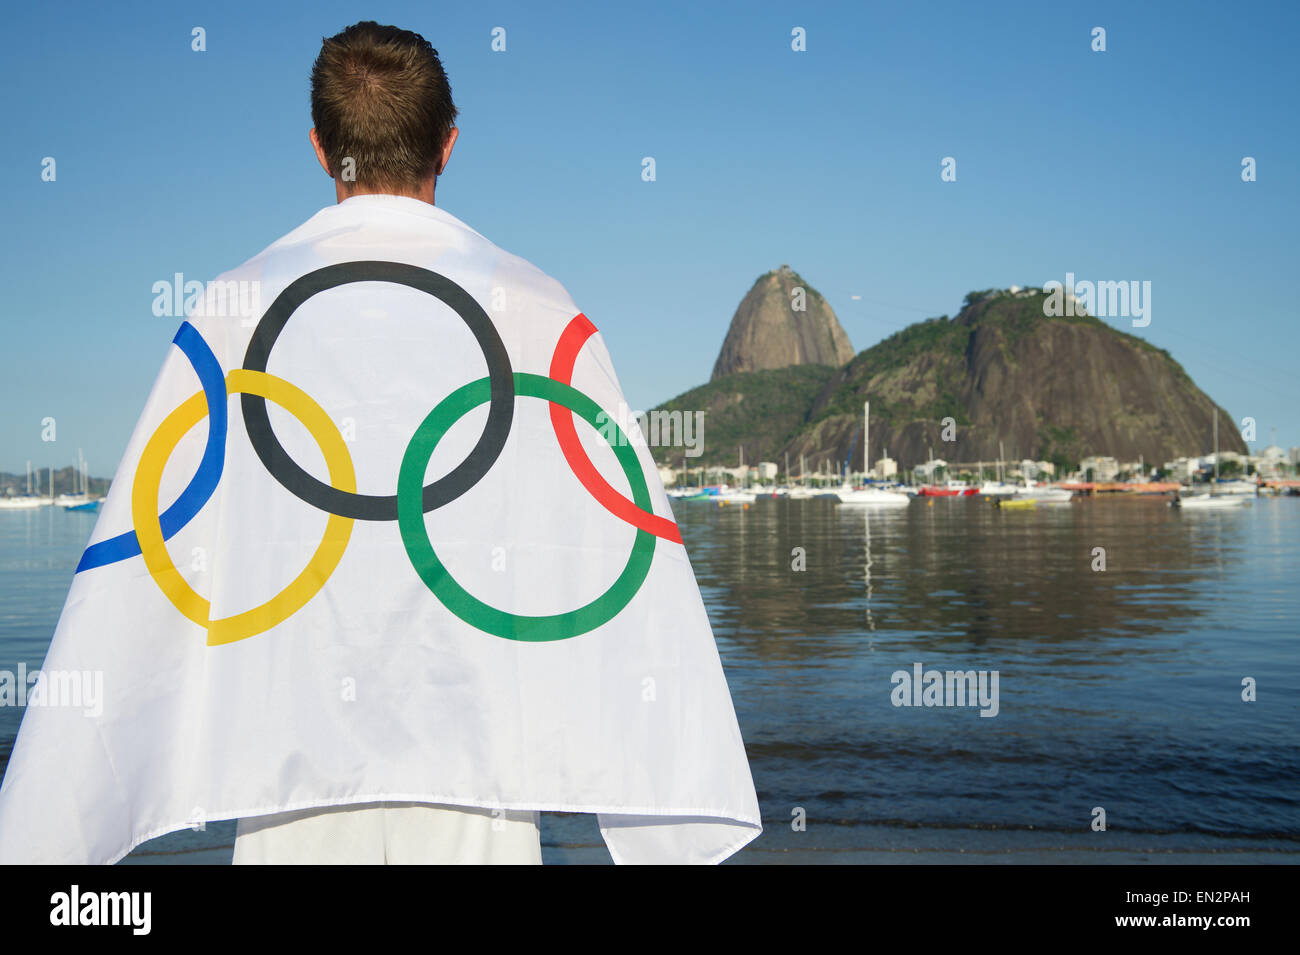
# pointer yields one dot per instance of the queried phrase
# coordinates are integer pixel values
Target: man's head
(382, 110)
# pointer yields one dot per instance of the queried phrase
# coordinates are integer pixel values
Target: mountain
(782, 321)
(759, 410)
(1056, 389)
(66, 480)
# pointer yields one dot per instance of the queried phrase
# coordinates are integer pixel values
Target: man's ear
(320, 153)
(446, 149)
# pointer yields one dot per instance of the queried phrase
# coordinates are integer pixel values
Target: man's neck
(424, 193)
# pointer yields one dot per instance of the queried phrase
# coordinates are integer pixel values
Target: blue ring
(205, 479)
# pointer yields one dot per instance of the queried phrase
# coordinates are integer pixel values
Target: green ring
(410, 518)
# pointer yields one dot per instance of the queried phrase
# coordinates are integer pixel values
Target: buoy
(746, 507)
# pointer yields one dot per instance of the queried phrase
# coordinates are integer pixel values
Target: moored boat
(996, 489)
(22, 502)
(1203, 502)
(951, 489)
(1045, 495)
(1215, 499)
(870, 497)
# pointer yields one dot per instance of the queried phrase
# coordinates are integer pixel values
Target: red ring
(575, 335)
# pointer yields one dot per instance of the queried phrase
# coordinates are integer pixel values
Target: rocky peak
(782, 321)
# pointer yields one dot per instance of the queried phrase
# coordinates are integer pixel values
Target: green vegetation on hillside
(940, 343)
(996, 362)
(1059, 446)
(761, 409)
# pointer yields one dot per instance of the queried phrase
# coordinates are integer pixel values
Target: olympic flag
(382, 540)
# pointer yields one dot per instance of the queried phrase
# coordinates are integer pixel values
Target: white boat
(22, 502)
(81, 499)
(996, 489)
(867, 496)
(1213, 500)
(1044, 495)
(870, 497)
(28, 501)
(1204, 502)
(735, 495)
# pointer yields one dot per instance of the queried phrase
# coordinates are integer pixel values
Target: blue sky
(1114, 166)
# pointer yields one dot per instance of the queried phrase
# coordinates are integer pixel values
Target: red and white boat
(951, 489)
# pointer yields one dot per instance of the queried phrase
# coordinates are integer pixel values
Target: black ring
(372, 507)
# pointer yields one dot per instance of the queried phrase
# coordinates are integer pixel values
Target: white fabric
(374, 690)
(401, 833)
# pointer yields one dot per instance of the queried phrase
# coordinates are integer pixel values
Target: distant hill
(1048, 388)
(759, 410)
(782, 321)
(65, 482)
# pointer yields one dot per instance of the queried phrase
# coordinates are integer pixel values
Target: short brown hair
(380, 96)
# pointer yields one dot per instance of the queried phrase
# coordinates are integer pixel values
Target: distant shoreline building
(884, 468)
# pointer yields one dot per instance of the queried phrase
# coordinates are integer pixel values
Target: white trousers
(392, 833)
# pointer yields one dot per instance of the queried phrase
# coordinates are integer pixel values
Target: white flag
(382, 533)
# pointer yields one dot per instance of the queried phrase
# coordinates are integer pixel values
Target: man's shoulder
(407, 229)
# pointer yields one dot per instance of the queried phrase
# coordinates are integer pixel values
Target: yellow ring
(144, 508)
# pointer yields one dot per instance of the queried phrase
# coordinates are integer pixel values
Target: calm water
(1119, 689)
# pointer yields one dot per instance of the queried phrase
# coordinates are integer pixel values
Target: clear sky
(1122, 165)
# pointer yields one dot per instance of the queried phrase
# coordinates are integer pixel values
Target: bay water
(1123, 633)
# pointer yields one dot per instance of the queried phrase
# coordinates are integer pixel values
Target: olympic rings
(370, 507)
(412, 500)
(454, 597)
(144, 509)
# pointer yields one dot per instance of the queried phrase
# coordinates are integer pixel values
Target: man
(416, 584)
(359, 76)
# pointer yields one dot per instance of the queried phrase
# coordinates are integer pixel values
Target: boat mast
(866, 437)
(1215, 487)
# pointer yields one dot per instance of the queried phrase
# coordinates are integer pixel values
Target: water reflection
(1119, 684)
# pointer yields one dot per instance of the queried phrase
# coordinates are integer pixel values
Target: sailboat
(1202, 502)
(81, 500)
(868, 496)
(737, 495)
(801, 491)
(24, 502)
(997, 488)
